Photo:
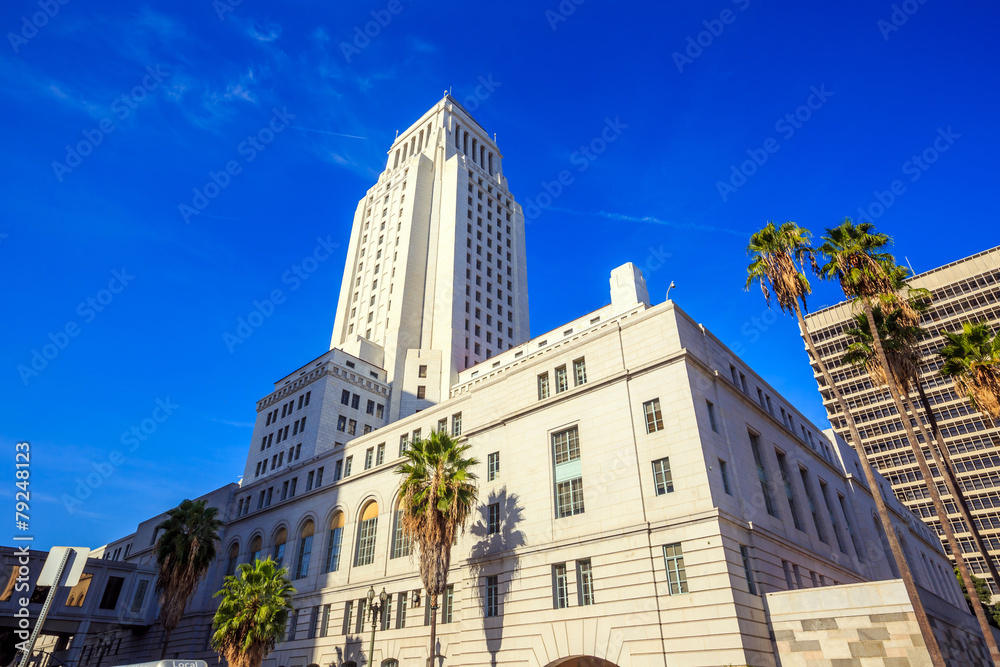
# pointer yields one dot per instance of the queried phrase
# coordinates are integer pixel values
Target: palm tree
(184, 552)
(899, 340)
(972, 362)
(438, 494)
(252, 615)
(774, 251)
(856, 257)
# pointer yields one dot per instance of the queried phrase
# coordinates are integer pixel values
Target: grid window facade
(654, 418)
(584, 582)
(673, 557)
(661, 476)
(560, 586)
(569, 498)
(366, 542)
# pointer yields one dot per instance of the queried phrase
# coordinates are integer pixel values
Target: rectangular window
(654, 418)
(341, 423)
(493, 519)
(747, 570)
(345, 397)
(812, 505)
(711, 416)
(338, 470)
(543, 386)
(792, 505)
(743, 383)
(355, 401)
(112, 590)
(456, 424)
(369, 457)
(347, 466)
(380, 454)
(359, 623)
(401, 610)
(765, 486)
(442, 425)
(569, 498)
(421, 391)
(366, 542)
(560, 586)
(319, 477)
(492, 466)
(661, 476)
(566, 446)
(333, 546)
(421, 371)
(324, 628)
(584, 583)
(401, 542)
(448, 608)
(370, 408)
(833, 515)
(492, 596)
(352, 427)
(404, 443)
(579, 372)
(309, 480)
(562, 380)
(673, 556)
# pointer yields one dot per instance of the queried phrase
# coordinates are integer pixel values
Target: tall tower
(436, 272)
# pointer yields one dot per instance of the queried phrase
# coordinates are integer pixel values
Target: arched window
(401, 542)
(366, 535)
(334, 541)
(305, 549)
(279, 546)
(255, 545)
(390, 662)
(234, 554)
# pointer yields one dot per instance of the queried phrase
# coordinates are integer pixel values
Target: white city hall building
(640, 502)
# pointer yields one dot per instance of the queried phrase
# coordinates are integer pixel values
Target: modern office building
(641, 502)
(964, 291)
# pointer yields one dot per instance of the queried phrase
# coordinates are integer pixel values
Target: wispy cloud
(228, 422)
(267, 33)
(647, 219)
(334, 134)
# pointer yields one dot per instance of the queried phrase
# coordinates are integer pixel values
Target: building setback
(964, 291)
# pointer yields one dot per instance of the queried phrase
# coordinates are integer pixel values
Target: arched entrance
(581, 661)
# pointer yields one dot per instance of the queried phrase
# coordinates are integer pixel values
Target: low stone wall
(868, 624)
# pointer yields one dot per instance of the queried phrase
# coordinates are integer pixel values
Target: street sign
(50, 570)
(169, 663)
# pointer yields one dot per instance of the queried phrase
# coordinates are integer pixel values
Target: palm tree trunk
(948, 472)
(942, 511)
(165, 642)
(929, 481)
(923, 622)
(431, 657)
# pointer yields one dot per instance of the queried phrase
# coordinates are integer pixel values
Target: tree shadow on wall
(495, 553)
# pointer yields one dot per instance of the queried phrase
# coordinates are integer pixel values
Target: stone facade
(868, 624)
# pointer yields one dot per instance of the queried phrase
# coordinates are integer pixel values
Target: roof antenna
(397, 135)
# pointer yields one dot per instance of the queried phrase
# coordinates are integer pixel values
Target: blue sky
(728, 113)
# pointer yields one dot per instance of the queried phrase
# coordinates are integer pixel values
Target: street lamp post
(376, 607)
